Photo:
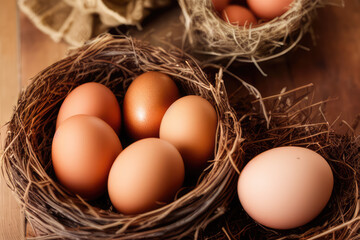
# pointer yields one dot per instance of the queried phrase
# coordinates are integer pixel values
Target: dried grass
(208, 34)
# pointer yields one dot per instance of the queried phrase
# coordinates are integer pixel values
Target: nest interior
(114, 62)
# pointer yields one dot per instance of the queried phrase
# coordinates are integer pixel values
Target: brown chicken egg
(93, 99)
(285, 187)
(145, 102)
(145, 176)
(190, 125)
(238, 15)
(83, 150)
(269, 9)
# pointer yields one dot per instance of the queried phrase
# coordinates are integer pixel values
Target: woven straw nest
(50, 209)
(208, 34)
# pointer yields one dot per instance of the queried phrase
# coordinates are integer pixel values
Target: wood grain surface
(37, 50)
(24, 51)
(11, 218)
(333, 65)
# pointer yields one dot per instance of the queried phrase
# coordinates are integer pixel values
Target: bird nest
(208, 34)
(293, 119)
(52, 211)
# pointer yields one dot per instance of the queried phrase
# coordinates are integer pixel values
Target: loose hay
(26, 163)
(208, 34)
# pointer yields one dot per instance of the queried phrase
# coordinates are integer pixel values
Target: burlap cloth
(76, 21)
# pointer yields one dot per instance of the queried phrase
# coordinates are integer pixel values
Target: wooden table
(333, 65)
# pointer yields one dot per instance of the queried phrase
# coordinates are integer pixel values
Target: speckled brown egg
(285, 187)
(145, 103)
(83, 150)
(93, 99)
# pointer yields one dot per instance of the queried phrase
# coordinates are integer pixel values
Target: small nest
(26, 163)
(293, 119)
(208, 34)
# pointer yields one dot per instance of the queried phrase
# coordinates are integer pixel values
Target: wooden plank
(11, 218)
(332, 64)
(38, 50)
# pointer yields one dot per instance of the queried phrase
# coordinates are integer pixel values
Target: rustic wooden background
(333, 65)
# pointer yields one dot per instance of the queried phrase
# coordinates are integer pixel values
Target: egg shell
(285, 187)
(145, 103)
(219, 5)
(269, 9)
(93, 99)
(190, 125)
(145, 176)
(83, 150)
(238, 15)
